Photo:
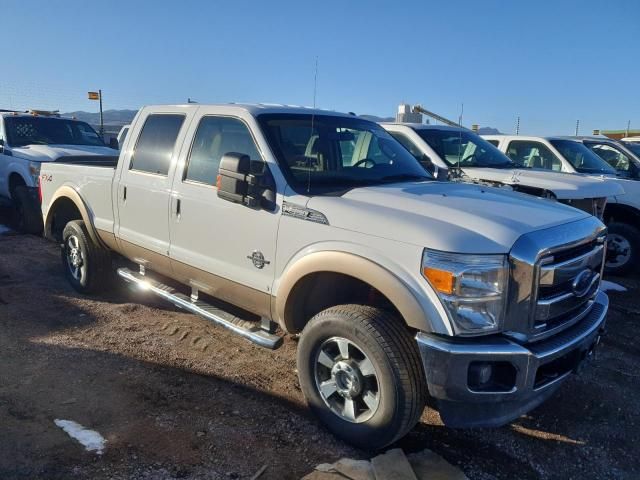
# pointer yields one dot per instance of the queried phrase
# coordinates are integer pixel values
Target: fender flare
(355, 266)
(69, 193)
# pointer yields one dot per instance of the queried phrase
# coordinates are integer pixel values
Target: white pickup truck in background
(321, 224)
(29, 139)
(571, 155)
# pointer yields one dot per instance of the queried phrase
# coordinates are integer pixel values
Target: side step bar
(253, 332)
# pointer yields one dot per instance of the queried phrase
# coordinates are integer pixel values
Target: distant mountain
(111, 117)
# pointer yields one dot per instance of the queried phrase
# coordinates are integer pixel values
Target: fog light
(479, 373)
(491, 377)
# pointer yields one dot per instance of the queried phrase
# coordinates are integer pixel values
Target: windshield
(582, 159)
(633, 146)
(324, 154)
(460, 147)
(23, 131)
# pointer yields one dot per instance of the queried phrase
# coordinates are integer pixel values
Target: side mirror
(240, 180)
(113, 143)
(442, 174)
(1, 145)
(427, 163)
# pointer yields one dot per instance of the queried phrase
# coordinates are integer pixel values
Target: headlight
(472, 288)
(34, 171)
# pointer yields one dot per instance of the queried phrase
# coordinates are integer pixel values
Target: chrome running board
(220, 317)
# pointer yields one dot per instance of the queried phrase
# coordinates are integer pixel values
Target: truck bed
(91, 177)
(89, 160)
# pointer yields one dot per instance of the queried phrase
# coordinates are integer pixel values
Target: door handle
(124, 193)
(178, 207)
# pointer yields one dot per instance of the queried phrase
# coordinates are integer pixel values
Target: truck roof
(258, 108)
(531, 137)
(424, 126)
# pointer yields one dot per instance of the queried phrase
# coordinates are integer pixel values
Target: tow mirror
(1, 145)
(113, 143)
(241, 180)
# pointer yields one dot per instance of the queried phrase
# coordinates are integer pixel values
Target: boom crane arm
(435, 116)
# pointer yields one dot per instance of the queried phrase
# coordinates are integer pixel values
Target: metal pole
(628, 127)
(101, 118)
(518, 126)
(577, 127)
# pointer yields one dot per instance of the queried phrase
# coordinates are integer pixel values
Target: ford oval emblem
(582, 283)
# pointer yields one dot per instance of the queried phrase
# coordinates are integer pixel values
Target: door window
(612, 156)
(526, 154)
(156, 143)
(215, 137)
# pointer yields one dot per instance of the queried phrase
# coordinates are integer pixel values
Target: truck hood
(565, 186)
(453, 217)
(50, 153)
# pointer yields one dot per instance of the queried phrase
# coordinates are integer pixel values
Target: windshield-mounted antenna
(313, 112)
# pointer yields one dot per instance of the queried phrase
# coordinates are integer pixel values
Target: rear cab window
(156, 143)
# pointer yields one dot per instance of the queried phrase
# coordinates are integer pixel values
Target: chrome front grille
(554, 277)
(568, 281)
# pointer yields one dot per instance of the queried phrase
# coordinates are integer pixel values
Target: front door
(222, 248)
(145, 184)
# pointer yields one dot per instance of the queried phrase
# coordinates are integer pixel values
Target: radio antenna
(313, 112)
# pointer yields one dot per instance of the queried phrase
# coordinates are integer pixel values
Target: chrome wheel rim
(347, 380)
(75, 259)
(618, 250)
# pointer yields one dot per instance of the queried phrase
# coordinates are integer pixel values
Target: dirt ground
(177, 397)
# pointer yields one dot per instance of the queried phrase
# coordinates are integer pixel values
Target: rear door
(222, 248)
(144, 189)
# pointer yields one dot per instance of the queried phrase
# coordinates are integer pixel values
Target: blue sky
(551, 62)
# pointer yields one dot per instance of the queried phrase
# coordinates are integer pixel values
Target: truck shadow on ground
(143, 378)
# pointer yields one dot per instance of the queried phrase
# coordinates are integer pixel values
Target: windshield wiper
(404, 177)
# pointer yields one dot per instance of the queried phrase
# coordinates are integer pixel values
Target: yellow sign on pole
(94, 96)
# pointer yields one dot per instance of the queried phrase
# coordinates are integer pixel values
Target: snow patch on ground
(90, 439)
(607, 286)
(4, 229)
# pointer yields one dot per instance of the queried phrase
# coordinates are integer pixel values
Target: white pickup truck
(29, 139)
(571, 155)
(274, 220)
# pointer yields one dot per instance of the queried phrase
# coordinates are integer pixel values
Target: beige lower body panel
(254, 301)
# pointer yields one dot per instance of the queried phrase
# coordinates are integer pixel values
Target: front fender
(413, 298)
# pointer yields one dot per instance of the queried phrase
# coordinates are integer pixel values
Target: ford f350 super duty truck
(571, 155)
(401, 287)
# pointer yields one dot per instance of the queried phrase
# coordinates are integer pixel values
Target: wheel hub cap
(348, 379)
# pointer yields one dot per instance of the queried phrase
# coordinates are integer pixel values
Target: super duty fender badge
(257, 258)
(303, 213)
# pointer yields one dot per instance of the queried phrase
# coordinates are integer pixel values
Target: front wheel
(623, 242)
(86, 265)
(360, 371)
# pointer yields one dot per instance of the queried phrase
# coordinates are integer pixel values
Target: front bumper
(537, 369)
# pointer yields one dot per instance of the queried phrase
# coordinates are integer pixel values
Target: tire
(623, 248)
(86, 265)
(396, 392)
(27, 213)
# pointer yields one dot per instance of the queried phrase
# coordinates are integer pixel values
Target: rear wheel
(27, 217)
(623, 243)
(86, 265)
(361, 374)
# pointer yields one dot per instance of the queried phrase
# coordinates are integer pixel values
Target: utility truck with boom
(273, 220)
